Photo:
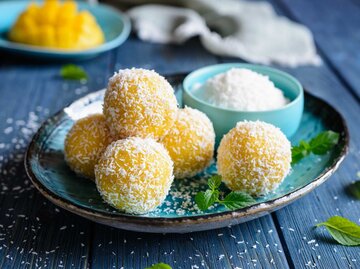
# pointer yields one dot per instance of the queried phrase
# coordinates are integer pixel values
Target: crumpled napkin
(248, 30)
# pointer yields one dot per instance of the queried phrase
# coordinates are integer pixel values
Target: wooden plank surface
(336, 27)
(164, 59)
(33, 232)
(254, 244)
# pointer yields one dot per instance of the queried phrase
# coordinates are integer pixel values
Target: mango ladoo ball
(254, 157)
(85, 142)
(139, 103)
(190, 142)
(134, 175)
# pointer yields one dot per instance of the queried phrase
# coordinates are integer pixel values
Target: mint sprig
(344, 231)
(73, 72)
(319, 145)
(234, 200)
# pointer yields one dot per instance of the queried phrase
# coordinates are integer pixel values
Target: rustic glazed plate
(49, 173)
(115, 25)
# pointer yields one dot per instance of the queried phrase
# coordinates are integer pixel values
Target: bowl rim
(298, 98)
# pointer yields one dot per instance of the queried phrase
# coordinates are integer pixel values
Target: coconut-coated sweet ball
(190, 142)
(254, 157)
(85, 142)
(139, 103)
(134, 175)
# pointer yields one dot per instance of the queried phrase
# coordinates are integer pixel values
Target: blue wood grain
(33, 232)
(335, 24)
(165, 59)
(31, 228)
(250, 245)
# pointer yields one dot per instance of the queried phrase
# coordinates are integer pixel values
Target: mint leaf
(298, 152)
(323, 142)
(354, 189)
(305, 145)
(159, 266)
(319, 145)
(205, 199)
(233, 200)
(74, 72)
(214, 182)
(344, 231)
(236, 200)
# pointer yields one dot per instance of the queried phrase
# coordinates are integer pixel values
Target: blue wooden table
(36, 234)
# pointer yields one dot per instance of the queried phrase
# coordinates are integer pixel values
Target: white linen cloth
(248, 30)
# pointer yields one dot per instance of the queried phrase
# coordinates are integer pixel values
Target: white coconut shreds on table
(139, 103)
(243, 89)
(254, 157)
(190, 142)
(134, 175)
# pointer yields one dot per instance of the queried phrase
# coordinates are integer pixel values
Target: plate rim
(258, 208)
(117, 41)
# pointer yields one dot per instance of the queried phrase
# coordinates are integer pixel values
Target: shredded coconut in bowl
(244, 90)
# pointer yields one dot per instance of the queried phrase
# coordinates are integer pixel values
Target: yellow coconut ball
(254, 157)
(85, 142)
(134, 175)
(139, 103)
(190, 142)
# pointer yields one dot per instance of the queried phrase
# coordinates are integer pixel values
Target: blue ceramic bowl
(115, 25)
(287, 118)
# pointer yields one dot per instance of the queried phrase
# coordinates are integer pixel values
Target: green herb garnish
(234, 200)
(344, 231)
(159, 266)
(319, 145)
(74, 72)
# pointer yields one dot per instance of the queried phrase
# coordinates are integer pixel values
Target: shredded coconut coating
(85, 142)
(134, 175)
(139, 103)
(190, 142)
(243, 89)
(254, 157)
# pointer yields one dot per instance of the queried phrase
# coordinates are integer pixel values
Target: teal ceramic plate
(115, 25)
(48, 171)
